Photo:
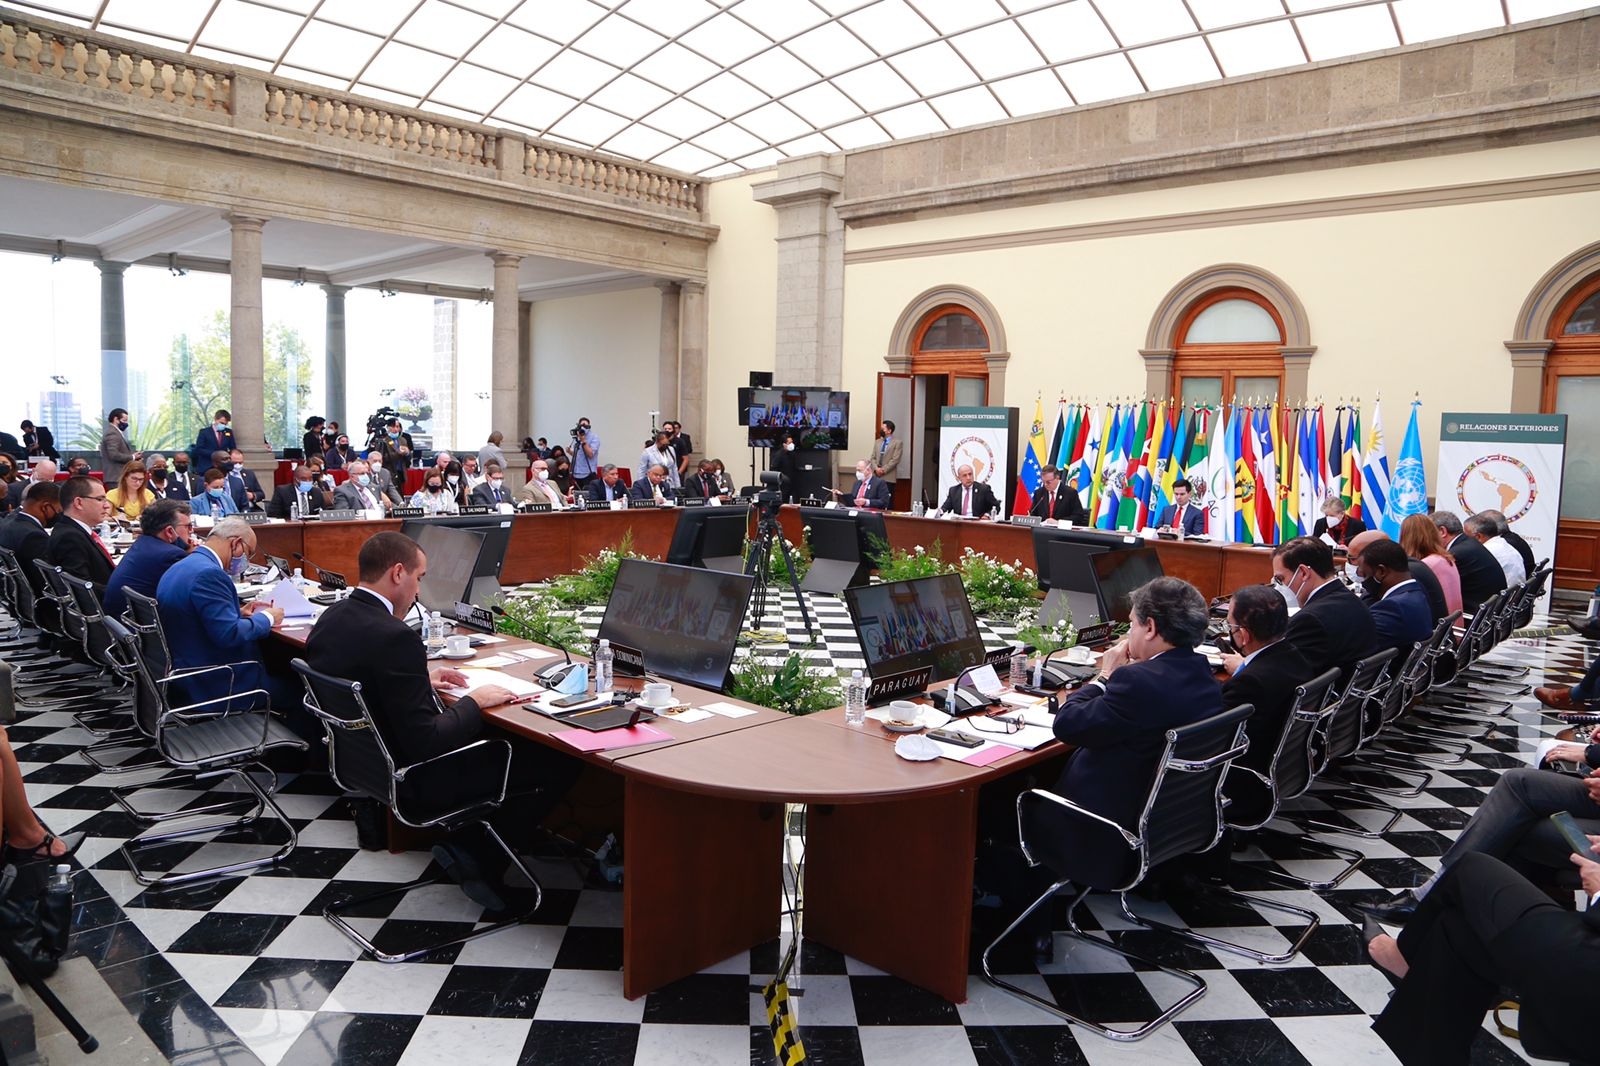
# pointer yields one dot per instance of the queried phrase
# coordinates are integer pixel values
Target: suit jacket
(115, 451)
(283, 500)
(644, 490)
(1400, 619)
(192, 483)
(886, 454)
(1194, 519)
(336, 459)
(348, 495)
(1347, 530)
(1513, 538)
(983, 500)
(204, 627)
(597, 491)
(174, 489)
(877, 492)
(359, 640)
(245, 481)
(393, 462)
(1333, 629)
(1065, 504)
(13, 447)
(23, 536)
(14, 492)
(1267, 683)
(141, 569)
(484, 494)
(1119, 731)
(43, 442)
(311, 444)
(203, 503)
(208, 440)
(383, 481)
(702, 487)
(1423, 575)
(1481, 576)
(75, 552)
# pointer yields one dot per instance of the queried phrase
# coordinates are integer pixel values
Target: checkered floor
(245, 970)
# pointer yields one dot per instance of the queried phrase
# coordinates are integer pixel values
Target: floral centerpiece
(1047, 639)
(897, 564)
(537, 618)
(997, 589)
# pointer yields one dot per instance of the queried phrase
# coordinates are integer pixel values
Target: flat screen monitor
(1118, 574)
(710, 537)
(906, 625)
(452, 562)
(818, 418)
(685, 620)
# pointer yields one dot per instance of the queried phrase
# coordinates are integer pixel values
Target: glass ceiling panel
(696, 84)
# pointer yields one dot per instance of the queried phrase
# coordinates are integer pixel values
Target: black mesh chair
(361, 763)
(1182, 814)
(73, 678)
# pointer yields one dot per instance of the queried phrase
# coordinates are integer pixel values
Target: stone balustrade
(247, 99)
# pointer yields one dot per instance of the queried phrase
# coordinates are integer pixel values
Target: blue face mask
(215, 494)
(363, 479)
(302, 486)
(236, 567)
(221, 427)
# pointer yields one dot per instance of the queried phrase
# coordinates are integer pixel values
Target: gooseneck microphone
(326, 578)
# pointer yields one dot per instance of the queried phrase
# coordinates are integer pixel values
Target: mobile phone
(1224, 645)
(950, 736)
(572, 701)
(1575, 837)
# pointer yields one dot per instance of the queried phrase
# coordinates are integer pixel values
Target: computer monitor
(495, 530)
(1118, 574)
(923, 622)
(452, 560)
(710, 537)
(685, 620)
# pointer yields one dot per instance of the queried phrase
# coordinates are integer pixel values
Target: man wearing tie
(654, 485)
(1056, 499)
(869, 491)
(703, 483)
(1180, 514)
(74, 545)
(358, 493)
(885, 459)
(492, 492)
(969, 498)
(607, 487)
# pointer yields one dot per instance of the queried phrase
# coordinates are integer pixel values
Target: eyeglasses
(1007, 725)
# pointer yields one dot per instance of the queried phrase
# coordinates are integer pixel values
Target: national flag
(1057, 434)
(1375, 474)
(1244, 476)
(1266, 466)
(1033, 461)
(1350, 463)
(1289, 476)
(1219, 479)
(1182, 443)
(1333, 473)
(1409, 490)
(1307, 463)
(1114, 470)
(1069, 435)
(1136, 499)
(1093, 455)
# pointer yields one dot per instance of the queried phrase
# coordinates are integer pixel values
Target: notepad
(290, 600)
(728, 710)
(608, 739)
(477, 679)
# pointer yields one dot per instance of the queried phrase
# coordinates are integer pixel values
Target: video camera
(770, 498)
(378, 420)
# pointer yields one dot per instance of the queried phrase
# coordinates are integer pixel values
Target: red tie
(1052, 506)
(98, 543)
(966, 501)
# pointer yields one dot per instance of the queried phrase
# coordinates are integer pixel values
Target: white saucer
(657, 708)
(458, 656)
(902, 727)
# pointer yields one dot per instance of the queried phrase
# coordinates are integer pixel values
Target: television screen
(685, 620)
(818, 418)
(905, 625)
(452, 558)
(1120, 573)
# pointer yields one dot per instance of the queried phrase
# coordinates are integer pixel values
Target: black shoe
(13, 856)
(372, 824)
(1396, 911)
(464, 870)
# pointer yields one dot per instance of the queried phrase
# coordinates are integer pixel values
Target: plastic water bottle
(855, 699)
(1019, 668)
(434, 636)
(604, 657)
(61, 880)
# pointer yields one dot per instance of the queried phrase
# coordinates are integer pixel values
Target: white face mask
(788, 447)
(544, 475)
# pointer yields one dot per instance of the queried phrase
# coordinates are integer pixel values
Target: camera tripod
(757, 563)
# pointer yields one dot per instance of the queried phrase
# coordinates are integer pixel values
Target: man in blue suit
(1148, 683)
(165, 527)
(217, 437)
(206, 627)
(868, 491)
(1181, 514)
(1400, 614)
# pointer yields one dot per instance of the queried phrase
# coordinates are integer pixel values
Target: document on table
(728, 710)
(1027, 738)
(491, 662)
(477, 679)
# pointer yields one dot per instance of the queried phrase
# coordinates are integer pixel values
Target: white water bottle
(855, 699)
(1019, 668)
(434, 636)
(604, 658)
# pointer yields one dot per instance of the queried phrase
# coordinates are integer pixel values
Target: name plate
(474, 617)
(255, 518)
(894, 686)
(626, 661)
(1025, 520)
(693, 501)
(1098, 633)
(478, 508)
(330, 580)
(1000, 656)
(535, 508)
(338, 514)
(409, 512)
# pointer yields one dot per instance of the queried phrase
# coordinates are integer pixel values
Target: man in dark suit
(74, 545)
(13, 447)
(969, 497)
(304, 487)
(25, 532)
(243, 481)
(1265, 670)
(1332, 627)
(1148, 683)
(1054, 498)
(1484, 929)
(357, 493)
(607, 487)
(383, 480)
(1421, 573)
(653, 486)
(115, 451)
(165, 529)
(868, 491)
(396, 449)
(1180, 514)
(1400, 613)
(1481, 576)
(401, 692)
(217, 437)
(44, 471)
(702, 484)
(492, 492)
(163, 485)
(188, 478)
(38, 440)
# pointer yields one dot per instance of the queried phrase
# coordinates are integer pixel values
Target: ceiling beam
(172, 232)
(372, 270)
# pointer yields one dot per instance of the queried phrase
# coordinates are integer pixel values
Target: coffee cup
(461, 644)
(904, 712)
(656, 694)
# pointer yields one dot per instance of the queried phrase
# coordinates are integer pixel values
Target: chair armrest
(186, 712)
(480, 761)
(1194, 766)
(458, 753)
(1128, 838)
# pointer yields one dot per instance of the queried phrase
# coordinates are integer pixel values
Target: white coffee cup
(656, 694)
(460, 644)
(904, 712)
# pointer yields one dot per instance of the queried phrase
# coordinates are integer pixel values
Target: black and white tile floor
(245, 971)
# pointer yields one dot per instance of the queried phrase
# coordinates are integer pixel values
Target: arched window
(1229, 344)
(951, 342)
(1572, 387)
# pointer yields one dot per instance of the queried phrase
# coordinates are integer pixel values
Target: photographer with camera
(585, 453)
(396, 446)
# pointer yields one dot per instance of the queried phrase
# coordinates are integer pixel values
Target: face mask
(158, 475)
(122, 423)
(236, 567)
(494, 482)
(564, 471)
(394, 434)
(1287, 593)
(544, 475)
(182, 468)
(1371, 587)
(453, 479)
(363, 479)
(435, 487)
(788, 447)
(221, 427)
(344, 445)
(303, 486)
(237, 467)
(215, 494)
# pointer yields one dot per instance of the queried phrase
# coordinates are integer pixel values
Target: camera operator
(585, 453)
(396, 446)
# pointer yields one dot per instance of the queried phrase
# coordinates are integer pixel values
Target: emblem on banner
(1408, 489)
(974, 452)
(1499, 482)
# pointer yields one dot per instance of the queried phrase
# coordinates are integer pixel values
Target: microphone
(1053, 678)
(327, 578)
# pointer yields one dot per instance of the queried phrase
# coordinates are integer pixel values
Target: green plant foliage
(154, 434)
(591, 586)
(792, 687)
(537, 619)
(896, 564)
(998, 589)
(205, 363)
(1052, 638)
(777, 570)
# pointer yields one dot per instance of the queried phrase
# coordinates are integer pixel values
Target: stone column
(113, 341)
(693, 327)
(809, 345)
(667, 394)
(505, 405)
(525, 367)
(1158, 370)
(1527, 374)
(247, 397)
(446, 334)
(335, 370)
